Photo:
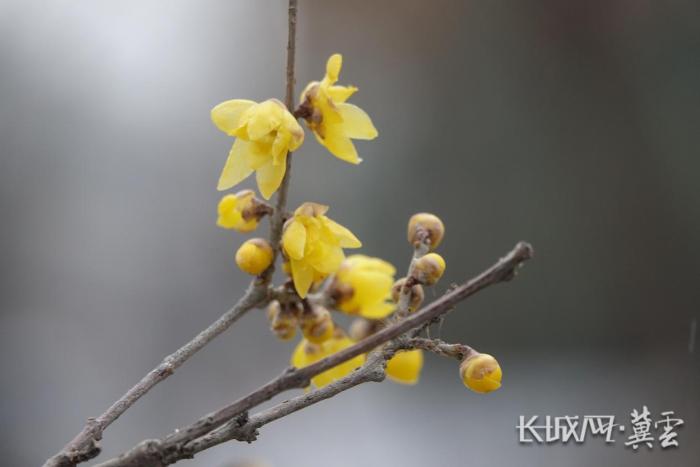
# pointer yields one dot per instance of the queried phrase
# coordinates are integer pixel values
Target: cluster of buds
(425, 232)
(284, 320)
(417, 294)
(315, 322)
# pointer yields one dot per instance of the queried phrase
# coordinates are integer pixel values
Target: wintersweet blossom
(363, 286)
(307, 353)
(405, 366)
(333, 121)
(265, 133)
(231, 211)
(314, 245)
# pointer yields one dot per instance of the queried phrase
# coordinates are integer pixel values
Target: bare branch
(85, 445)
(174, 446)
(373, 370)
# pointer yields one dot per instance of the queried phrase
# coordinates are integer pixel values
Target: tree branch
(85, 445)
(373, 370)
(175, 446)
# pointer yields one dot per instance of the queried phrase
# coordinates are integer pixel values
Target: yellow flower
(314, 245)
(405, 366)
(265, 133)
(365, 284)
(333, 121)
(481, 373)
(307, 353)
(231, 212)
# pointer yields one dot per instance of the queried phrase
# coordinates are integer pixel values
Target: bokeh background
(572, 125)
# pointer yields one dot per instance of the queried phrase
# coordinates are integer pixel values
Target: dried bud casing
(429, 269)
(481, 373)
(254, 256)
(417, 294)
(425, 228)
(252, 208)
(283, 320)
(317, 324)
(340, 291)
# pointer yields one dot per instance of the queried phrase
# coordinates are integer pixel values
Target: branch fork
(233, 420)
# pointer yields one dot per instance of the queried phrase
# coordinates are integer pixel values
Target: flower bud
(481, 373)
(283, 321)
(240, 212)
(425, 227)
(317, 324)
(254, 256)
(429, 269)
(417, 294)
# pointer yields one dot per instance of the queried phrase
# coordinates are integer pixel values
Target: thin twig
(373, 370)
(439, 347)
(420, 249)
(85, 445)
(174, 446)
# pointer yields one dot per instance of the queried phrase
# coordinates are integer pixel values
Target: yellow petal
(280, 146)
(356, 123)
(405, 366)
(340, 94)
(299, 357)
(291, 125)
(311, 209)
(227, 115)
(294, 239)
(325, 259)
(378, 310)
(270, 177)
(340, 146)
(346, 238)
(371, 286)
(266, 118)
(303, 276)
(236, 168)
(333, 66)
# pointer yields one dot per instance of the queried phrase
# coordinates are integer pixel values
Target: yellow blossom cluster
(312, 245)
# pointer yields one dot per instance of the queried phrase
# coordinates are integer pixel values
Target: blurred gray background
(573, 125)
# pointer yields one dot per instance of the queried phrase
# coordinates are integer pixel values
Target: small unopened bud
(283, 320)
(481, 373)
(425, 228)
(417, 294)
(254, 256)
(361, 328)
(317, 324)
(429, 269)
